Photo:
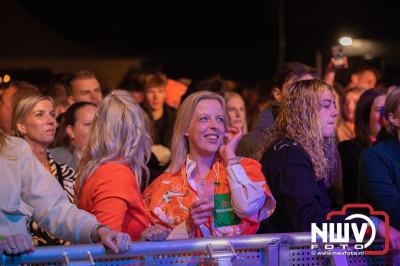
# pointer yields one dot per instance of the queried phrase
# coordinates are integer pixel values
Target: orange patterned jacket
(169, 197)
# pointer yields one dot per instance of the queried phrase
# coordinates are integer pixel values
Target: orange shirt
(113, 196)
(169, 198)
(173, 93)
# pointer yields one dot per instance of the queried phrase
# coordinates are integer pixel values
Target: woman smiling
(207, 190)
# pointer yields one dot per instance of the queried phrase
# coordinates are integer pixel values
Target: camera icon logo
(336, 235)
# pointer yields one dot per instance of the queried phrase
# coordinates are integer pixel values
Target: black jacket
(163, 128)
(301, 199)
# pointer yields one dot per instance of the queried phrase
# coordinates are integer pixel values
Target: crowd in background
(157, 158)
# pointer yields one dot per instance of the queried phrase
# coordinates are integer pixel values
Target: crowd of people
(157, 159)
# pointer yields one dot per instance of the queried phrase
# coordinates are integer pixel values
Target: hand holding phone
(339, 58)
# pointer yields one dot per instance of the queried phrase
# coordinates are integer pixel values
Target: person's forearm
(52, 209)
(247, 197)
(329, 77)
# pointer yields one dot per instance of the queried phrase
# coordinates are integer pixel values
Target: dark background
(239, 40)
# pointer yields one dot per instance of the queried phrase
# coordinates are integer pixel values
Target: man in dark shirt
(162, 117)
(287, 74)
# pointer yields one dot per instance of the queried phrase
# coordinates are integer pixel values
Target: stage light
(345, 41)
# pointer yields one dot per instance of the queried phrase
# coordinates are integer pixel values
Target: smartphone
(338, 56)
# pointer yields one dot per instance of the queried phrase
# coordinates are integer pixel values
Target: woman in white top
(28, 190)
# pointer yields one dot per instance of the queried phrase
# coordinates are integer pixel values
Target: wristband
(97, 237)
(234, 159)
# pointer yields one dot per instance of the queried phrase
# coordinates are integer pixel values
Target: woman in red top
(113, 165)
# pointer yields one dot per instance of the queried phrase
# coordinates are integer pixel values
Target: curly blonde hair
(299, 120)
(119, 132)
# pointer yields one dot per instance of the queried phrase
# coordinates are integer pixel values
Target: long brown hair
(362, 116)
(299, 120)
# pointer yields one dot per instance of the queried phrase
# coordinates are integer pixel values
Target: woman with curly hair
(299, 152)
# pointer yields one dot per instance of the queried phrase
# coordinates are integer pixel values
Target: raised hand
(233, 136)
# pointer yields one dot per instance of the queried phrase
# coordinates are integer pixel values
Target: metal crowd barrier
(268, 249)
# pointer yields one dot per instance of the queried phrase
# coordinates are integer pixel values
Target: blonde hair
(3, 143)
(22, 110)
(7, 147)
(299, 120)
(179, 144)
(119, 132)
(392, 105)
(231, 94)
